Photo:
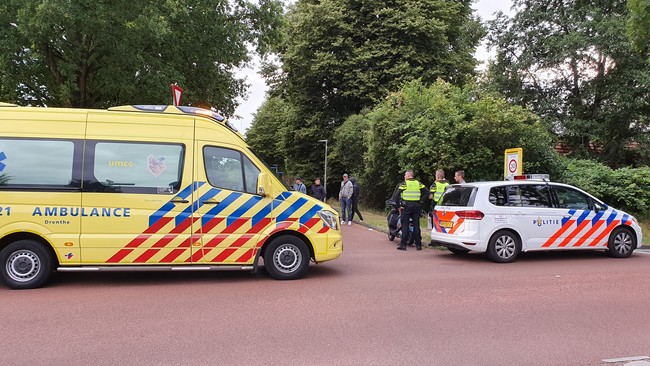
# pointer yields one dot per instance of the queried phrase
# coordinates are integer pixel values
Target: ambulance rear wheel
(621, 243)
(504, 246)
(286, 258)
(25, 264)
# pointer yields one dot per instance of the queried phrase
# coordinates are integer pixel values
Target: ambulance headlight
(329, 218)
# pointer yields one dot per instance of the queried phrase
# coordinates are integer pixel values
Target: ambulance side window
(133, 167)
(230, 169)
(40, 164)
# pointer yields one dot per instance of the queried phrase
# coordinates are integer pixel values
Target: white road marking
(625, 359)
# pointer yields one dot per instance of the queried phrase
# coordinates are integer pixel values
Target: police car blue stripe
(611, 217)
(597, 217)
(242, 209)
(292, 209)
(564, 220)
(625, 218)
(582, 217)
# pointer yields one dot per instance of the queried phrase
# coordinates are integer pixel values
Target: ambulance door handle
(211, 201)
(178, 199)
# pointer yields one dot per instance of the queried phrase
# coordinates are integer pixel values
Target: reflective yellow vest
(411, 190)
(438, 191)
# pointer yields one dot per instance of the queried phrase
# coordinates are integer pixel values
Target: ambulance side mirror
(263, 185)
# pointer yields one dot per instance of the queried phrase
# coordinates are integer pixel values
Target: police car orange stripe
(457, 225)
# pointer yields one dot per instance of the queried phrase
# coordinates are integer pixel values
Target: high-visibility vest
(411, 190)
(438, 191)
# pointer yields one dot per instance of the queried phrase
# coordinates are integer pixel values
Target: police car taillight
(470, 214)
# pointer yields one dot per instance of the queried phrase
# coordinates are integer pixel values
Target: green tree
(571, 63)
(446, 127)
(265, 134)
(107, 52)
(341, 56)
(638, 25)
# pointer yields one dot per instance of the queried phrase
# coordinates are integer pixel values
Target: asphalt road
(373, 306)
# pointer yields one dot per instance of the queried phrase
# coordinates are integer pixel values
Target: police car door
(232, 214)
(533, 213)
(137, 192)
(579, 224)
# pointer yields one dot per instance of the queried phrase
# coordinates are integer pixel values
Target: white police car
(507, 217)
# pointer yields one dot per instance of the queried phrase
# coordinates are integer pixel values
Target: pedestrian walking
(412, 194)
(355, 200)
(344, 197)
(299, 187)
(317, 191)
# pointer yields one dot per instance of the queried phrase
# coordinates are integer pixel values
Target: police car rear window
(458, 196)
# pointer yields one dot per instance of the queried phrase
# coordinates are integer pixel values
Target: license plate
(447, 224)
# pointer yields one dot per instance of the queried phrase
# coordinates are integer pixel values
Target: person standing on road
(459, 177)
(438, 187)
(317, 191)
(355, 200)
(344, 197)
(412, 194)
(299, 187)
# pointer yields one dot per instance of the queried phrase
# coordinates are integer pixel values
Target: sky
(257, 89)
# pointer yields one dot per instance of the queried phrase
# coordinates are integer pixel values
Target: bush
(624, 188)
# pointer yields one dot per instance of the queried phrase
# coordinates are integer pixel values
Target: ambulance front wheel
(25, 264)
(286, 258)
(621, 243)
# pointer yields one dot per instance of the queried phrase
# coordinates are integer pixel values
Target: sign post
(177, 92)
(512, 164)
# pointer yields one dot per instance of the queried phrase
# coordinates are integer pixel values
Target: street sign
(512, 164)
(177, 92)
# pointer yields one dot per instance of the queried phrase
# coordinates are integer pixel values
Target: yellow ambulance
(146, 187)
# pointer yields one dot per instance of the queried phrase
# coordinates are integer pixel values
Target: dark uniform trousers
(411, 211)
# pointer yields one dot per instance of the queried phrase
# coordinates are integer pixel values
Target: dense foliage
(341, 56)
(443, 126)
(571, 63)
(624, 188)
(107, 52)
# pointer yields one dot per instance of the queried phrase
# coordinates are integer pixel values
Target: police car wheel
(25, 264)
(286, 258)
(621, 243)
(504, 246)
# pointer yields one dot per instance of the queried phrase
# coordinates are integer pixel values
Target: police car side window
(498, 196)
(529, 195)
(230, 169)
(571, 198)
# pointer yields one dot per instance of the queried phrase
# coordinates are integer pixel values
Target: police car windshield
(458, 196)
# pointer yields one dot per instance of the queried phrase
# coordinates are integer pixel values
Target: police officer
(412, 194)
(438, 187)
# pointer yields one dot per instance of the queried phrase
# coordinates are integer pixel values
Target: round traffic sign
(512, 166)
